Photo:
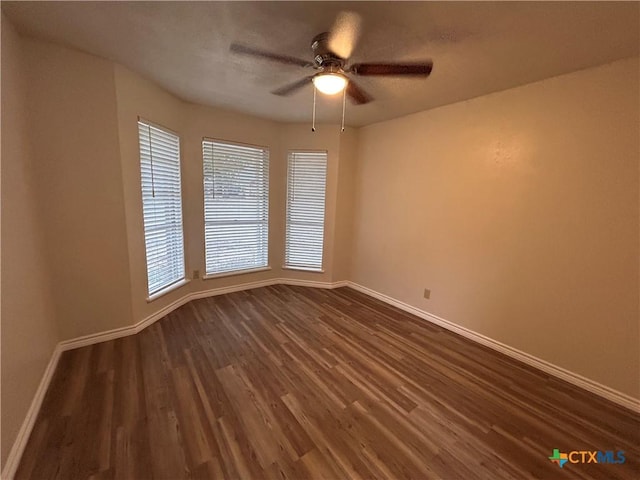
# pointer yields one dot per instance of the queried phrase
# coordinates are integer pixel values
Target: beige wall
(519, 210)
(300, 137)
(83, 111)
(342, 239)
(29, 331)
(74, 137)
(223, 125)
(137, 97)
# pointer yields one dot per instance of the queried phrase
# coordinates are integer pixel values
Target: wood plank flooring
(293, 383)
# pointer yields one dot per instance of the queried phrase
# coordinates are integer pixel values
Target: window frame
(228, 273)
(285, 266)
(178, 282)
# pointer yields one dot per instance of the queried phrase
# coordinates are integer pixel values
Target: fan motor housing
(322, 55)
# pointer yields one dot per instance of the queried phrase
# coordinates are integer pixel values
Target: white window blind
(162, 206)
(306, 185)
(236, 206)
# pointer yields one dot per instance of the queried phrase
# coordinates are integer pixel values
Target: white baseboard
(86, 340)
(547, 367)
(615, 396)
(13, 459)
(233, 288)
(15, 454)
(144, 323)
(310, 283)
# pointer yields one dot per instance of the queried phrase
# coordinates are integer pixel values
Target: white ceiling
(476, 47)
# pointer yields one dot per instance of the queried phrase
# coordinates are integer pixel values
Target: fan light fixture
(330, 83)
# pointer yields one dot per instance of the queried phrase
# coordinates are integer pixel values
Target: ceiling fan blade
(345, 33)
(292, 87)
(416, 69)
(254, 52)
(356, 94)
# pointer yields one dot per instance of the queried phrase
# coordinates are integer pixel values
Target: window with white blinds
(306, 185)
(162, 206)
(236, 206)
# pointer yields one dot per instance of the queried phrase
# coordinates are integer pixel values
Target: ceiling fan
(331, 52)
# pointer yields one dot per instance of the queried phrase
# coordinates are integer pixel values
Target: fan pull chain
(313, 121)
(153, 188)
(344, 106)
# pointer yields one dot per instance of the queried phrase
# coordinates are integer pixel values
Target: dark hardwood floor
(294, 383)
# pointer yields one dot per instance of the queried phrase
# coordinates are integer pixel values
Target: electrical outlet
(196, 274)
(427, 293)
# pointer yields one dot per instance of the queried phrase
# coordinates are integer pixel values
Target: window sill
(235, 272)
(167, 289)
(303, 269)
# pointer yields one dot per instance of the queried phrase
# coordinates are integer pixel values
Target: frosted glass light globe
(330, 83)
